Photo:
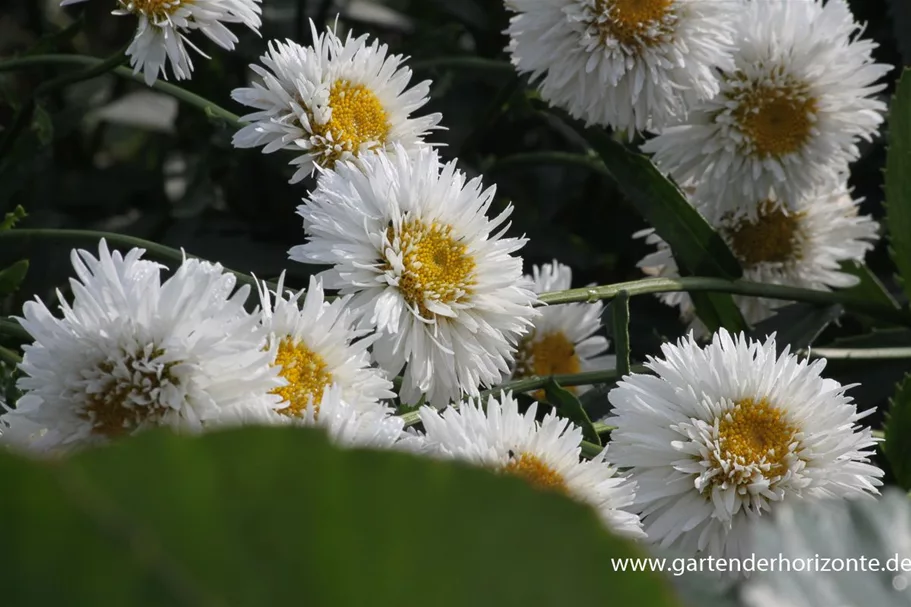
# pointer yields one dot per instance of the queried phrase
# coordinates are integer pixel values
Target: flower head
(790, 112)
(132, 352)
(722, 434)
(429, 270)
(316, 346)
(164, 25)
(334, 100)
(628, 64)
(546, 455)
(563, 338)
(802, 247)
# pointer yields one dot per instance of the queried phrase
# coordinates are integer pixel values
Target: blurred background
(109, 154)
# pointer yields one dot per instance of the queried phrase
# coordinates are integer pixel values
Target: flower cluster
(758, 107)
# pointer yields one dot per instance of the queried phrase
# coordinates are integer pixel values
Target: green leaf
(42, 125)
(569, 407)
(12, 277)
(797, 325)
(897, 447)
(12, 218)
(698, 249)
(898, 181)
(277, 516)
(870, 287)
(885, 338)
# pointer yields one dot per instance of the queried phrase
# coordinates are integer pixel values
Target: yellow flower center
(156, 10)
(552, 354)
(306, 374)
(776, 119)
(633, 22)
(755, 433)
(130, 396)
(773, 236)
(357, 118)
(437, 266)
(535, 472)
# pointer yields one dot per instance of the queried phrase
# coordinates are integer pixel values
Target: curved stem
(156, 250)
(9, 357)
(736, 287)
(211, 109)
(860, 353)
(13, 329)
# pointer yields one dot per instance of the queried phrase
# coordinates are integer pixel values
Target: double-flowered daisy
(164, 25)
(790, 112)
(411, 240)
(372, 426)
(131, 351)
(332, 101)
(628, 64)
(802, 247)
(563, 338)
(545, 454)
(723, 434)
(316, 346)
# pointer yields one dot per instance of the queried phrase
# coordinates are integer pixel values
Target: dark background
(73, 170)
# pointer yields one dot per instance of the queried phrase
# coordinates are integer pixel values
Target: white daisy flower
(132, 352)
(334, 100)
(804, 247)
(828, 548)
(791, 110)
(562, 339)
(546, 455)
(164, 25)
(726, 432)
(628, 64)
(316, 346)
(431, 273)
(373, 426)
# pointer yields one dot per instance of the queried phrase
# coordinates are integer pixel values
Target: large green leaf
(797, 325)
(898, 428)
(870, 287)
(698, 249)
(898, 180)
(279, 517)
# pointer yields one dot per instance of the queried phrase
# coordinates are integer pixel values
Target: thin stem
(9, 357)
(530, 384)
(211, 109)
(26, 111)
(621, 332)
(737, 287)
(156, 250)
(13, 329)
(860, 353)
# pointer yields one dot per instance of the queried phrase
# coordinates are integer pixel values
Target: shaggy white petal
(724, 433)
(429, 271)
(547, 455)
(335, 100)
(563, 338)
(804, 247)
(790, 112)
(131, 351)
(628, 65)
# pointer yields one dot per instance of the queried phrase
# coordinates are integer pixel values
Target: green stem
(91, 236)
(529, 384)
(737, 287)
(211, 109)
(24, 114)
(9, 357)
(13, 329)
(621, 332)
(860, 353)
